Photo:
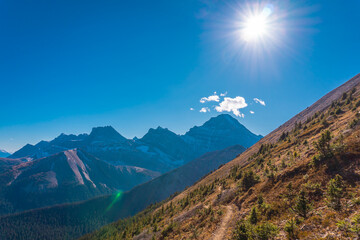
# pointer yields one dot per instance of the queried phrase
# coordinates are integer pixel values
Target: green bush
(249, 179)
(291, 229)
(246, 231)
(355, 228)
(265, 231)
(170, 228)
(242, 231)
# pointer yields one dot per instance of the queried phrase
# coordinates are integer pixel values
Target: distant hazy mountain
(4, 154)
(68, 176)
(159, 150)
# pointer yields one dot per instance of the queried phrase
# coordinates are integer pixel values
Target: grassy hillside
(302, 181)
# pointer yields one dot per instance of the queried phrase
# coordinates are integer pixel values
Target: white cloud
(259, 101)
(252, 112)
(205, 109)
(232, 105)
(191, 109)
(214, 98)
(223, 94)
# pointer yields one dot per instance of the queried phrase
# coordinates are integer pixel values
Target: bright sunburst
(255, 28)
(256, 25)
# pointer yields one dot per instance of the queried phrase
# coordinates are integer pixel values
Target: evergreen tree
(323, 144)
(335, 191)
(253, 219)
(302, 206)
(260, 200)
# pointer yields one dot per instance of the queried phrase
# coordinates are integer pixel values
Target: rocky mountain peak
(107, 133)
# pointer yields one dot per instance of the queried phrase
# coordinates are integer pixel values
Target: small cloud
(191, 109)
(259, 101)
(232, 105)
(205, 109)
(252, 112)
(214, 98)
(223, 94)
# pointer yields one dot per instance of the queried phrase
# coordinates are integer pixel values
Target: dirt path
(220, 232)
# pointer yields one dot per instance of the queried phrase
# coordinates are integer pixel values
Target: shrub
(249, 179)
(291, 229)
(265, 231)
(353, 123)
(315, 161)
(324, 123)
(270, 211)
(335, 191)
(344, 96)
(170, 228)
(344, 226)
(338, 111)
(314, 190)
(246, 231)
(355, 221)
(242, 231)
(260, 200)
(357, 104)
(236, 173)
(356, 201)
(283, 136)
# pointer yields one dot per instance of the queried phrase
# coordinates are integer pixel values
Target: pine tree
(302, 206)
(323, 144)
(253, 219)
(335, 191)
(260, 200)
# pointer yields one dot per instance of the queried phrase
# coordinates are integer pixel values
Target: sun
(255, 28)
(256, 25)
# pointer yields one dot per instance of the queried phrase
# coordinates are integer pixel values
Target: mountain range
(158, 150)
(74, 168)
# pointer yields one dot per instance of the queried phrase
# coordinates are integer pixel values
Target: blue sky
(67, 66)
